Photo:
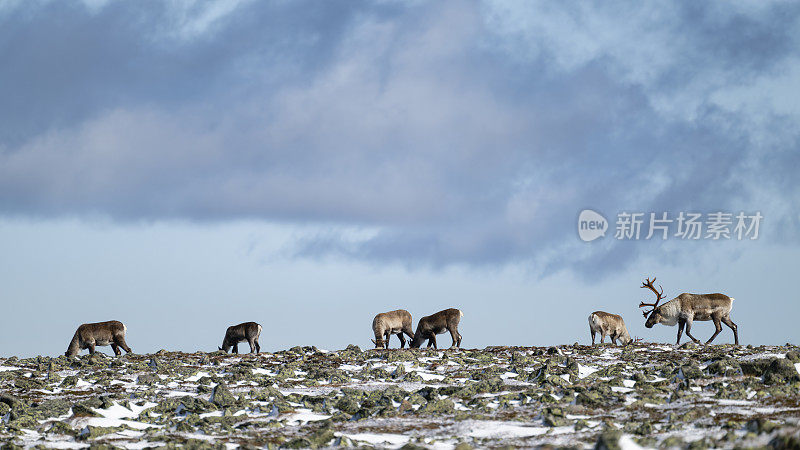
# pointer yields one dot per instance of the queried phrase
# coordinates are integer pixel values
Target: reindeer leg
(432, 340)
(689, 331)
(681, 324)
(409, 333)
(258, 347)
(236, 348)
(121, 342)
(402, 340)
(459, 339)
(592, 332)
(727, 321)
(718, 329)
(252, 345)
(453, 334)
(602, 337)
(90, 345)
(116, 349)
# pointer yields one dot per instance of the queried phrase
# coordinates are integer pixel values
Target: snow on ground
(523, 397)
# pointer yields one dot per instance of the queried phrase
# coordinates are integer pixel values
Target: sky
(184, 166)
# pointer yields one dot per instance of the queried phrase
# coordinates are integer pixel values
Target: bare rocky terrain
(648, 395)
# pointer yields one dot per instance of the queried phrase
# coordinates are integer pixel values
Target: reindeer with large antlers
(686, 308)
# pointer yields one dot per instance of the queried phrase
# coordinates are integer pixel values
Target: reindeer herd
(683, 310)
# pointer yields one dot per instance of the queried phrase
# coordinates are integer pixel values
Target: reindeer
(384, 325)
(429, 326)
(248, 331)
(608, 324)
(89, 335)
(686, 308)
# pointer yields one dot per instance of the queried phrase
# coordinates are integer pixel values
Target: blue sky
(183, 166)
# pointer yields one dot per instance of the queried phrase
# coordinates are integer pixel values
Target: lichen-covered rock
(608, 440)
(69, 381)
(222, 397)
(372, 387)
(348, 404)
(689, 372)
(52, 408)
(780, 370)
(724, 367)
(443, 406)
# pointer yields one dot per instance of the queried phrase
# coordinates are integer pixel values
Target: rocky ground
(648, 395)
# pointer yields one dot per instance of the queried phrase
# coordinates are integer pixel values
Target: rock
(399, 371)
(412, 446)
(673, 442)
(52, 408)
(786, 442)
(608, 440)
(61, 428)
(555, 421)
(755, 367)
(22, 421)
(300, 442)
(780, 370)
(793, 356)
(196, 405)
(689, 372)
(351, 351)
(688, 346)
(760, 425)
(593, 398)
(348, 404)
(699, 444)
(221, 396)
(91, 432)
(405, 406)
(724, 367)
(81, 410)
(322, 435)
(444, 406)
(69, 381)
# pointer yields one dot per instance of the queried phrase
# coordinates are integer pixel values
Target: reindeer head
(379, 343)
(416, 341)
(654, 315)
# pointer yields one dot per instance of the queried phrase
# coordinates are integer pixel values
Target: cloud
(419, 134)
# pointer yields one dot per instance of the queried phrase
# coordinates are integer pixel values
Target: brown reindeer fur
(429, 326)
(397, 322)
(90, 335)
(247, 331)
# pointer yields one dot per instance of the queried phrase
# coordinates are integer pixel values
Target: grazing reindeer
(248, 331)
(384, 325)
(89, 335)
(429, 326)
(686, 308)
(610, 325)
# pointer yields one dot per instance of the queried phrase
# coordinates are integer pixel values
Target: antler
(659, 295)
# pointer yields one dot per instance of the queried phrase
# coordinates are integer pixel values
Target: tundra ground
(651, 395)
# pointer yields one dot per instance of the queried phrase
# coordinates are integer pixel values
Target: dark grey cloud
(433, 134)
